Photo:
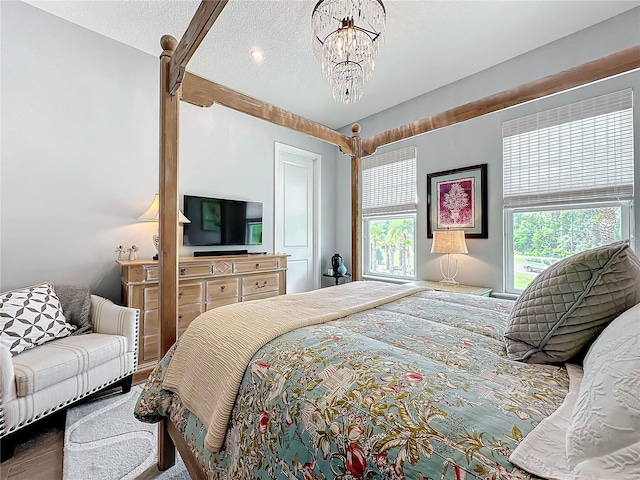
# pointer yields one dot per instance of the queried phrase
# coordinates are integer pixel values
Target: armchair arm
(7, 383)
(109, 318)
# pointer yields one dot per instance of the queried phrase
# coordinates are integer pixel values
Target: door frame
(317, 163)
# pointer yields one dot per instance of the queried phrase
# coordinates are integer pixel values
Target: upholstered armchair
(43, 379)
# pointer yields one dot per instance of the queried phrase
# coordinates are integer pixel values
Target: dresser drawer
(151, 349)
(151, 273)
(186, 314)
(222, 301)
(267, 282)
(195, 270)
(243, 267)
(258, 296)
(187, 293)
(151, 323)
(223, 288)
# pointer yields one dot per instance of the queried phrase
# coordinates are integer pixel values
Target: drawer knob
(257, 265)
(222, 287)
(264, 284)
(183, 271)
(180, 317)
(180, 294)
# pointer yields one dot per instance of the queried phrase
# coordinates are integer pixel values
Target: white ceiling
(428, 43)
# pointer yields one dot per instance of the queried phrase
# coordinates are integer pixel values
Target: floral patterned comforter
(418, 388)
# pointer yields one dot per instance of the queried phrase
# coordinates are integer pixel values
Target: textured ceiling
(428, 44)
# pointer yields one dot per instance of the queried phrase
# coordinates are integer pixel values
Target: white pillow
(31, 316)
(603, 438)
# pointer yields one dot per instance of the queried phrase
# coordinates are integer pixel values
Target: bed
(419, 387)
(482, 452)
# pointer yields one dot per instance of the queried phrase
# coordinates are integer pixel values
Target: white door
(296, 215)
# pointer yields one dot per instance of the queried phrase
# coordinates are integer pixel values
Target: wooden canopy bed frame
(176, 85)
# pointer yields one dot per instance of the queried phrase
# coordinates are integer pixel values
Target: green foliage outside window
(561, 233)
(391, 246)
(556, 234)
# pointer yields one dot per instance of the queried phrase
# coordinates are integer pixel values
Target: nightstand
(443, 287)
(337, 276)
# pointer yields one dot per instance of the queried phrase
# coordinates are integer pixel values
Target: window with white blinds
(389, 182)
(575, 153)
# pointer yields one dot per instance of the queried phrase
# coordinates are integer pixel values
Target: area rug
(104, 441)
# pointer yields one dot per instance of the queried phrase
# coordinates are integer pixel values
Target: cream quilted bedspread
(212, 355)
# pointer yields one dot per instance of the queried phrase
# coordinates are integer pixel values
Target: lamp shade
(153, 213)
(448, 241)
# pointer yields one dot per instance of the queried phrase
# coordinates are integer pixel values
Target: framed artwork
(458, 199)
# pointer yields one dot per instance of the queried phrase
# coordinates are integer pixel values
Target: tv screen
(219, 221)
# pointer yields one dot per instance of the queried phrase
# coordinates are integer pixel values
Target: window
(568, 183)
(389, 213)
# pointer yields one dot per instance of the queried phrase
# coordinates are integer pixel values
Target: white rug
(104, 441)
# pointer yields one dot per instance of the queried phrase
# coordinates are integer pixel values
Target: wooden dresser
(204, 283)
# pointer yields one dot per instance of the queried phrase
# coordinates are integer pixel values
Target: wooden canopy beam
(204, 93)
(614, 64)
(204, 18)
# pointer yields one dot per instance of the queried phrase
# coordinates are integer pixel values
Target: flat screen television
(220, 221)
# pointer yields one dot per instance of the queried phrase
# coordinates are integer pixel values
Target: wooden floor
(38, 451)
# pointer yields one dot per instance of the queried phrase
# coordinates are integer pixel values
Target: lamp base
(448, 278)
(156, 243)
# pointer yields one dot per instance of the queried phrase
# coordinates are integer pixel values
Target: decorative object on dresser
(204, 283)
(122, 253)
(458, 199)
(153, 215)
(449, 241)
(133, 252)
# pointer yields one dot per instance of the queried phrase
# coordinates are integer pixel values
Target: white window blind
(575, 153)
(389, 182)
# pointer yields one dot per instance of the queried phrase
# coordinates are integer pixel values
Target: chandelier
(347, 35)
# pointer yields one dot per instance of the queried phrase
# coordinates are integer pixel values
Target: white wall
(480, 140)
(79, 154)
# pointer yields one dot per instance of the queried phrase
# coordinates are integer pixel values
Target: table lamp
(449, 241)
(153, 215)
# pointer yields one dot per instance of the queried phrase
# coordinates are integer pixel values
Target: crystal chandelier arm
(373, 35)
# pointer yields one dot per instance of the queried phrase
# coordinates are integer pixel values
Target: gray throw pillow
(76, 305)
(571, 302)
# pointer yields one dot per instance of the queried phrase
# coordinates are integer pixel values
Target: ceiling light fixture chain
(347, 36)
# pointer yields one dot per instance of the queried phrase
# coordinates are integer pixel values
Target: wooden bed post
(168, 251)
(356, 203)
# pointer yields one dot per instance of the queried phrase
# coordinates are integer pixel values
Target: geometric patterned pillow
(31, 316)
